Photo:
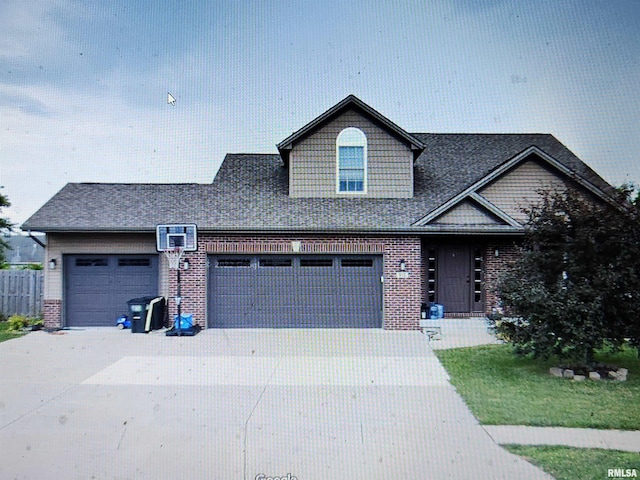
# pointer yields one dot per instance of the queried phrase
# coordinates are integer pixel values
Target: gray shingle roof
(250, 192)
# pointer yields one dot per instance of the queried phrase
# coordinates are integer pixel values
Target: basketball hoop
(174, 255)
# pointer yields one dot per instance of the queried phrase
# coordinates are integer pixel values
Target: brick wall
(507, 252)
(52, 313)
(193, 284)
(401, 296)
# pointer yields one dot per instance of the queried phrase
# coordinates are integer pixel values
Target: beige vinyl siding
(98, 243)
(466, 214)
(520, 188)
(312, 167)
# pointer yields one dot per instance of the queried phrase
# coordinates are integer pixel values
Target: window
(316, 262)
(431, 275)
(477, 275)
(233, 262)
(91, 262)
(351, 151)
(134, 262)
(357, 262)
(276, 262)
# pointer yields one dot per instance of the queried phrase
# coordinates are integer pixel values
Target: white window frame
(347, 138)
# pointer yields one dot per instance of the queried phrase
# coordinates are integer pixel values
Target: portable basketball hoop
(173, 241)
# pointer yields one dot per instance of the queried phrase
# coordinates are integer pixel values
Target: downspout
(37, 240)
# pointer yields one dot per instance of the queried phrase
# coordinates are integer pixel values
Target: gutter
(302, 231)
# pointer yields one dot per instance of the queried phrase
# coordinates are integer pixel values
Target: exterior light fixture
(497, 252)
(403, 265)
(52, 264)
(185, 264)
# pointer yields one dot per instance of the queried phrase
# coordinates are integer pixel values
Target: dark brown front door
(454, 291)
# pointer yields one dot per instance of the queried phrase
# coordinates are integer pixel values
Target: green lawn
(5, 334)
(501, 389)
(565, 463)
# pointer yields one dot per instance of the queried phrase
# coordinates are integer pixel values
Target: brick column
(402, 296)
(193, 288)
(52, 313)
(495, 265)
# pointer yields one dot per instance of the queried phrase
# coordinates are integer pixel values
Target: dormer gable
(350, 151)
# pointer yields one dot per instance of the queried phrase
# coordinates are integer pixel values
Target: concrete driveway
(235, 404)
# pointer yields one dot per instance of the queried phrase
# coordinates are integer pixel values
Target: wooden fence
(21, 292)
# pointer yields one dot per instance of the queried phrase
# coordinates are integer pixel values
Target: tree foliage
(5, 226)
(575, 287)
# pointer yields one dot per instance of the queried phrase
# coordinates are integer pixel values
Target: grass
(501, 389)
(6, 334)
(566, 463)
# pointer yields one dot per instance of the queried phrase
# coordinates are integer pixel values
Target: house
(354, 223)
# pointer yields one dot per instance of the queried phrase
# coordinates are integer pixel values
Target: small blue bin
(436, 311)
(186, 321)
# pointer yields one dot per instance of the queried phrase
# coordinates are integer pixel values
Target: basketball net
(174, 257)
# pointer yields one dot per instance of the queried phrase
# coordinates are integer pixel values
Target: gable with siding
(521, 188)
(467, 213)
(312, 161)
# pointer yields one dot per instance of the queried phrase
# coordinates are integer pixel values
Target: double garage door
(97, 287)
(271, 291)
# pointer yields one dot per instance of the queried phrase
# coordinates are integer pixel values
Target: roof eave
(430, 230)
(284, 147)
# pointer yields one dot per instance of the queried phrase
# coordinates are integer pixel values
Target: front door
(454, 274)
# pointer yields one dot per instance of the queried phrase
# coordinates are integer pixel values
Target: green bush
(32, 266)
(17, 322)
(575, 286)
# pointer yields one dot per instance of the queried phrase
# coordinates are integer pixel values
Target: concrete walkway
(626, 441)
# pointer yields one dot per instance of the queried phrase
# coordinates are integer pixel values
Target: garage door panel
(282, 291)
(97, 287)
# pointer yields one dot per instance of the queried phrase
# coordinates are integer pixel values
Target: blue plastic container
(436, 311)
(186, 321)
(123, 322)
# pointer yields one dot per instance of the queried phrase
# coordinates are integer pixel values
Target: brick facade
(401, 296)
(497, 256)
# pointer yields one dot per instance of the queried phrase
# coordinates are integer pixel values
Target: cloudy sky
(83, 85)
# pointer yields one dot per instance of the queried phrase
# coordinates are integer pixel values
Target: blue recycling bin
(436, 311)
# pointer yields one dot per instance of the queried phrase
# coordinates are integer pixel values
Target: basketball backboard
(177, 236)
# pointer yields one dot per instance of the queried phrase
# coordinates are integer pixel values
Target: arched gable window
(351, 165)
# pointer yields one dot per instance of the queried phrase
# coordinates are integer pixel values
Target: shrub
(17, 322)
(575, 287)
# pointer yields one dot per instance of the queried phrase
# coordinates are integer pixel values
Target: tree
(5, 226)
(576, 286)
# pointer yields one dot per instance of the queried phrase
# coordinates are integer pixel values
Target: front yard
(501, 389)
(566, 463)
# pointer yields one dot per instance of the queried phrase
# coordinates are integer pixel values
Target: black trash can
(147, 313)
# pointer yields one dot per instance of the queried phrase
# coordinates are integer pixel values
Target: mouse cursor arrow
(171, 99)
